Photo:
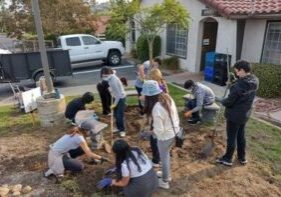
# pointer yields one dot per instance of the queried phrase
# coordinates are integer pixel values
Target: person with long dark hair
(64, 152)
(134, 171)
(162, 109)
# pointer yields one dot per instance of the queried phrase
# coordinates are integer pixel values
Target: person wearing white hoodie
(162, 109)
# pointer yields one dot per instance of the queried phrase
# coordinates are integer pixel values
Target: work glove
(110, 171)
(104, 159)
(112, 106)
(105, 182)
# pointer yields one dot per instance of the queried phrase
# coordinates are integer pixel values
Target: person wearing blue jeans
(119, 96)
(119, 114)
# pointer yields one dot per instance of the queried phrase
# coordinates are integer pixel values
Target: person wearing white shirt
(134, 171)
(161, 107)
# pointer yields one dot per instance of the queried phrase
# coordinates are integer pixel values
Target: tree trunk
(150, 48)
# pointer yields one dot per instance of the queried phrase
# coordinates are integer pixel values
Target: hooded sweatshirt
(239, 102)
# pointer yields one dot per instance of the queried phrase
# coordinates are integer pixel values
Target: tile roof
(245, 7)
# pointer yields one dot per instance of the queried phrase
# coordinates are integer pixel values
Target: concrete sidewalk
(179, 78)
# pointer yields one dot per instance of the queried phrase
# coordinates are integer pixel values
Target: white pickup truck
(84, 47)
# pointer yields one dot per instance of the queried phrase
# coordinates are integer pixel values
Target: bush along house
(244, 29)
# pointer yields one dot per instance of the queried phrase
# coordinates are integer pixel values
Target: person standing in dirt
(238, 106)
(165, 120)
(143, 73)
(134, 171)
(203, 95)
(63, 153)
(156, 75)
(119, 96)
(78, 104)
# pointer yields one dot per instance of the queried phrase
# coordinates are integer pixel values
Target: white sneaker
(160, 174)
(122, 134)
(163, 184)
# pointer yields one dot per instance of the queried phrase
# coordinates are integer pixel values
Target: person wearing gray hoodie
(238, 106)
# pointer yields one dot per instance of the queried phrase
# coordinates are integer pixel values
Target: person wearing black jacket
(238, 106)
(78, 104)
(105, 96)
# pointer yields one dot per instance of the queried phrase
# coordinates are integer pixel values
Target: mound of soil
(23, 158)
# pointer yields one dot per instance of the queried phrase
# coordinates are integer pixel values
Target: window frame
(73, 38)
(177, 35)
(265, 40)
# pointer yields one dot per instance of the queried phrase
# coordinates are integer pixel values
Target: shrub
(171, 63)
(142, 47)
(270, 79)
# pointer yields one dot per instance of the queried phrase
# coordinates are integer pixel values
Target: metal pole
(42, 48)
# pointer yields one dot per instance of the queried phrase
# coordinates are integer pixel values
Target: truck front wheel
(114, 58)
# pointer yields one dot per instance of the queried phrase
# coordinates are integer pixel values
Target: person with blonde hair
(156, 75)
(63, 153)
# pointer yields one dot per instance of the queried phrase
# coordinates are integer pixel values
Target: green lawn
(264, 141)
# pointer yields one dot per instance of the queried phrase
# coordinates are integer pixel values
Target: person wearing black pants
(105, 96)
(238, 106)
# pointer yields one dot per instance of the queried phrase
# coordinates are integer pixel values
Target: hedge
(270, 80)
(171, 63)
(142, 47)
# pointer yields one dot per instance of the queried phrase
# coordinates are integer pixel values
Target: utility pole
(42, 48)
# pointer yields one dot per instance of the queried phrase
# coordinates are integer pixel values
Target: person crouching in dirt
(203, 96)
(63, 153)
(238, 106)
(119, 95)
(134, 171)
(78, 104)
(165, 120)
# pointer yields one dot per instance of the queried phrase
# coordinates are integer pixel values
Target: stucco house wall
(226, 36)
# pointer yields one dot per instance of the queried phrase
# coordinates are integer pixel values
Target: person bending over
(64, 152)
(134, 171)
(78, 104)
(203, 95)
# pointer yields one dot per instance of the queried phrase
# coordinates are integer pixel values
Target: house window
(272, 44)
(176, 41)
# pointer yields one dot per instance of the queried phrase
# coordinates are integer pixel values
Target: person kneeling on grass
(78, 104)
(134, 171)
(63, 153)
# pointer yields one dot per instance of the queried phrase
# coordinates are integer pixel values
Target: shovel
(208, 148)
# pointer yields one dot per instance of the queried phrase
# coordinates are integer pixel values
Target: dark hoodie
(239, 102)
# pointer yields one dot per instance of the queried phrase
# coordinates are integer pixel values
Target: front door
(209, 40)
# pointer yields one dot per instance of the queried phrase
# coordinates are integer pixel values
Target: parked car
(83, 48)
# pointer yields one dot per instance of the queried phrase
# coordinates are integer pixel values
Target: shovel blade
(207, 149)
(107, 147)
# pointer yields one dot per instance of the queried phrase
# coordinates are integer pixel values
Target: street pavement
(86, 80)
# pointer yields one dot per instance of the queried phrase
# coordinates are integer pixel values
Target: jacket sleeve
(232, 97)
(199, 100)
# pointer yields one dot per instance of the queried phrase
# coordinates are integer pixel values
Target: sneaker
(243, 161)
(156, 165)
(224, 161)
(193, 121)
(160, 174)
(163, 184)
(122, 134)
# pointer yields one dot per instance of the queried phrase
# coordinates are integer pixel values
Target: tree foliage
(149, 21)
(58, 17)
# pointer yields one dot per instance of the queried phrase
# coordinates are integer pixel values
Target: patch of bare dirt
(267, 105)
(23, 157)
